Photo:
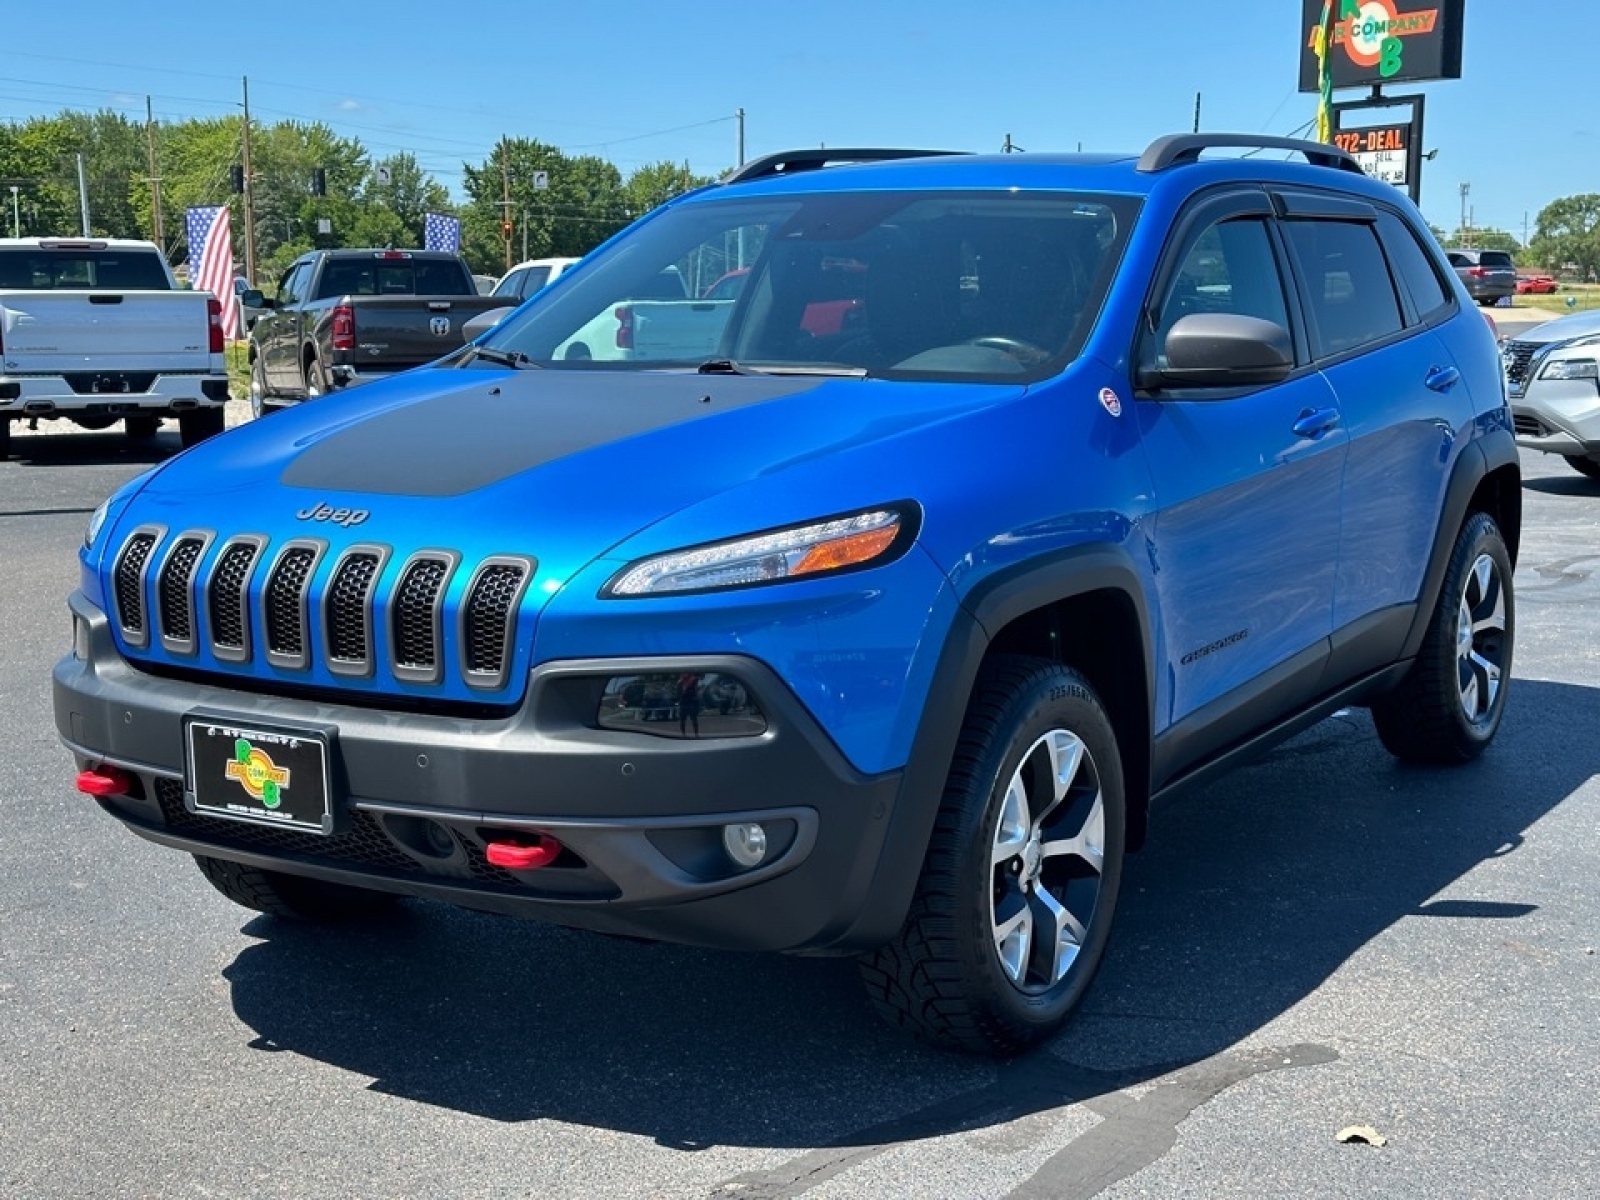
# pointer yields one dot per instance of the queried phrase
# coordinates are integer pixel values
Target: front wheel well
(1099, 634)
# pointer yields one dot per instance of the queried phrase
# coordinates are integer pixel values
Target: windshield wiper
(727, 366)
(514, 359)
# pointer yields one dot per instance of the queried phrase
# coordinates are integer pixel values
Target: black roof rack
(790, 162)
(1178, 148)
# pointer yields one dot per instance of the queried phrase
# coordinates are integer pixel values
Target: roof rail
(790, 162)
(1178, 148)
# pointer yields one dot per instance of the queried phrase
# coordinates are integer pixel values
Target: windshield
(83, 270)
(968, 285)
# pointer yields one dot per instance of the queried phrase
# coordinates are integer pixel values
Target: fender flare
(984, 611)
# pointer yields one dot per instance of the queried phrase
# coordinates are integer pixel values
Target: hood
(558, 465)
(1562, 329)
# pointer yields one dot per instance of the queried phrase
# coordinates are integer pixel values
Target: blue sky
(640, 82)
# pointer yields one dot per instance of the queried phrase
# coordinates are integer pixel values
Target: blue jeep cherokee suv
(864, 607)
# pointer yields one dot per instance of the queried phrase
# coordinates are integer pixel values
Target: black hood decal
(468, 438)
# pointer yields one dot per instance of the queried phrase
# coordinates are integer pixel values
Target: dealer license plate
(267, 776)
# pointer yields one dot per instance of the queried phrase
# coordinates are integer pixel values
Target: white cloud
(350, 106)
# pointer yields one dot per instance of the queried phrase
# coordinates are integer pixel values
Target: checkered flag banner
(440, 232)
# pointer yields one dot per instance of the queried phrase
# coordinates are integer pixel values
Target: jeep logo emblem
(339, 516)
(440, 326)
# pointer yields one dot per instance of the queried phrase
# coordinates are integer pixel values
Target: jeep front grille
(415, 619)
(175, 592)
(283, 605)
(347, 610)
(128, 578)
(227, 598)
(486, 621)
(357, 616)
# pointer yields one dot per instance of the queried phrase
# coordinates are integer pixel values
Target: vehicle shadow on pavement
(1251, 893)
(111, 446)
(1563, 485)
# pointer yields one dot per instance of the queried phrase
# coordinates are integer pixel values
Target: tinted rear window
(394, 277)
(28, 269)
(1495, 258)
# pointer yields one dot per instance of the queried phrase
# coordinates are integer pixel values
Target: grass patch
(1573, 297)
(239, 370)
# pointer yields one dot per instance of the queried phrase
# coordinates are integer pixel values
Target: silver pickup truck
(96, 331)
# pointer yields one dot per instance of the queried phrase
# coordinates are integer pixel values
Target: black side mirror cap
(251, 298)
(1223, 350)
(479, 325)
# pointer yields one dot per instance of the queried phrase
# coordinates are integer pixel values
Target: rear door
(1371, 295)
(1247, 487)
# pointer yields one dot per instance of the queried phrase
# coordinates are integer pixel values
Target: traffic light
(236, 179)
(319, 181)
(505, 228)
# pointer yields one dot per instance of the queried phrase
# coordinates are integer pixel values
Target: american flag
(211, 261)
(440, 232)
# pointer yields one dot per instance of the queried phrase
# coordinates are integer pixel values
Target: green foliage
(1568, 232)
(1485, 239)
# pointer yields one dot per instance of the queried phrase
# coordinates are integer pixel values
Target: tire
(5, 438)
(1584, 466)
(1448, 707)
(141, 429)
(260, 404)
(292, 897)
(968, 969)
(317, 381)
(196, 426)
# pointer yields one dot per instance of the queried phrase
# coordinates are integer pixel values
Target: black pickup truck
(343, 317)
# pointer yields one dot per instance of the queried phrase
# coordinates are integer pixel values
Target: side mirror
(1223, 350)
(479, 325)
(251, 298)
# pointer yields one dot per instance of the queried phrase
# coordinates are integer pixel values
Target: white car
(1553, 379)
(526, 278)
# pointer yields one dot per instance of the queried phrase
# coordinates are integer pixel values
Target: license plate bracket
(260, 772)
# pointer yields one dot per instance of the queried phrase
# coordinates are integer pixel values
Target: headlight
(95, 522)
(1570, 368)
(845, 543)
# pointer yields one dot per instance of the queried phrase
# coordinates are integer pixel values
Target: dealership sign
(1382, 41)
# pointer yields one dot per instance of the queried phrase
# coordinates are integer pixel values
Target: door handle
(1442, 379)
(1314, 422)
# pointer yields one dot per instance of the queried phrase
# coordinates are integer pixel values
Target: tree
(395, 211)
(581, 205)
(1485, 239)
(1568, 231)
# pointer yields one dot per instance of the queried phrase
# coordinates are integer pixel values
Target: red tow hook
(104, 781)
(522, 855)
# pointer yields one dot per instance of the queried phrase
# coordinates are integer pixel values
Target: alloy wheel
(1480, 639)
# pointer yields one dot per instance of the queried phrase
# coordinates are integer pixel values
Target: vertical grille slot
(415, 618)
(284, 609)
(488, 619)
(175, 592)
(347, 610)
(226, 598)
(128, 583)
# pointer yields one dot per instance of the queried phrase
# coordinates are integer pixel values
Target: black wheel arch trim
(983, 612)
(1481, 457)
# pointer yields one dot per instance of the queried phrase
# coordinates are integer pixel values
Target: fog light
(745, 844)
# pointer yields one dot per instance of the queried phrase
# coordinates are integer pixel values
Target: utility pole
(740, 115)
(524, 235)
(1466, 238)
(1524, 229)
(83, 196)
(505, 201)
(155, 179)
(16, 213)
(249, 194)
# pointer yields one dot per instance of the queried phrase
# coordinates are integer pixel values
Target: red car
(1536, 284)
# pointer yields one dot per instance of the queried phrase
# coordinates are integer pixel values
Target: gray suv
(1488, 274)
(1553, 379)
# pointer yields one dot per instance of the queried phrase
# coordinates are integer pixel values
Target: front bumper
(641, 815)
(1558, 416)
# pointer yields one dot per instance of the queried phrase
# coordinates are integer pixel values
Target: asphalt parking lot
(1320, 940)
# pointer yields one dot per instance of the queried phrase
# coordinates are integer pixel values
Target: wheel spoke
(1011, 835)
(1013, 934)
(1059, 936)
(1088, 843)
(1483, 574)
(1469, 689)
(1488, 674)
(1066, 754)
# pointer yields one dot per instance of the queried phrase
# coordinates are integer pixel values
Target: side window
(1349, 294)
(1229, 268)
(511, 286)
(1412, 265)
(289, 285)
